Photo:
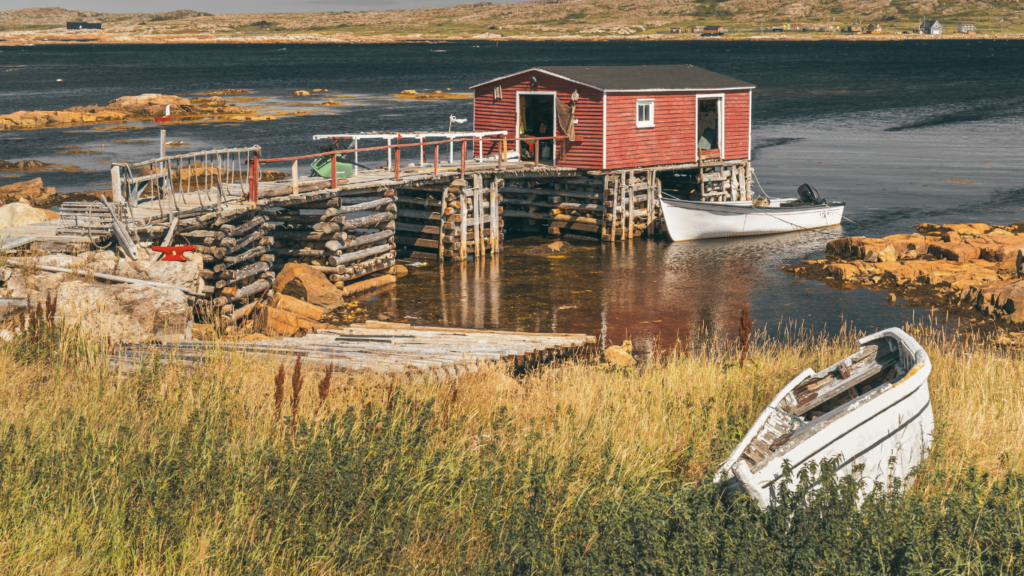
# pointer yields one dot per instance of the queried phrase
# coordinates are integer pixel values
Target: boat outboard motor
(809, 195)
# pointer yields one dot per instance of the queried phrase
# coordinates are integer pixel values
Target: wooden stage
(382, 347)
(45, 236)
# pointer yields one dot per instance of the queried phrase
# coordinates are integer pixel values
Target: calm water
(904, 132)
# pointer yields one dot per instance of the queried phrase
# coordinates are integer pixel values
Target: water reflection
(651, 292)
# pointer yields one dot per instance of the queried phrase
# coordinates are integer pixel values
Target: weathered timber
(367, 221)
(360, 254)
(244, 292)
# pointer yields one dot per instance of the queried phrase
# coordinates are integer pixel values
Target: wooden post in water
(163, 143)
(495, 219)
(295, 176)
(464, 214)
(478, 215)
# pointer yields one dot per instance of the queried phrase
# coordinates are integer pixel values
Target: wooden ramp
(383, 347)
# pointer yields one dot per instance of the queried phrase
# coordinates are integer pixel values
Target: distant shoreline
(9, 39)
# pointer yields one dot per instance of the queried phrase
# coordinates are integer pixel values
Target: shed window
(645, 113)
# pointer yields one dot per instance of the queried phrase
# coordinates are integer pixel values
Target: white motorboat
(871, 408)
(690, 220)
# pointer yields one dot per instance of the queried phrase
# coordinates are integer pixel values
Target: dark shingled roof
(626, 78)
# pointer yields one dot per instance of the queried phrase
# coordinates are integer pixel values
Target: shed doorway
(536, 117)
(709, 127)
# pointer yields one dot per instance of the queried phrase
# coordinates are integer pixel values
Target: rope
(765, 196)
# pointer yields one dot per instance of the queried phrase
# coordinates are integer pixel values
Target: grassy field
(572, 469)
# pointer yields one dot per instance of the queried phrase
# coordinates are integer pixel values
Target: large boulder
(31, 190)
(125, 313)
(1001, 299)
(309, 284)
(22, 214)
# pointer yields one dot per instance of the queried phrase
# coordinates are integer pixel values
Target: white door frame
(721, 122)
(554, 120)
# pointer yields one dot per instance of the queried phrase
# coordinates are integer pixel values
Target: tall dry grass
(180, 469)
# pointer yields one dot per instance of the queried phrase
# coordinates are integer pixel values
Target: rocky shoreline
(976, 270)
(127, 108)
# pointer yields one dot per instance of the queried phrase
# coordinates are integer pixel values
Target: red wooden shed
(624, 116)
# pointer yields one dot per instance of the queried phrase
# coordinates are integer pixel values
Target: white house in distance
(965, 28)
(931, 27)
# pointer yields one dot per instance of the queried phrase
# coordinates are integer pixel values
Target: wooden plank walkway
(383, 347)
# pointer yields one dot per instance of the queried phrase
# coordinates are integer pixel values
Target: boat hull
(686, 220)
(888, 432)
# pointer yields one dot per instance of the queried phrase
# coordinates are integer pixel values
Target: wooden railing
(394, 152)
(173, 176)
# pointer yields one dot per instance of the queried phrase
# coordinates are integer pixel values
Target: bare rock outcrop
(121, 312)
(22, 214)
(974, 266)
(125, 313)
(31, 190)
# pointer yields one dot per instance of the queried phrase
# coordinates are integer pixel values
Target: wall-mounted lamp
(533, 82)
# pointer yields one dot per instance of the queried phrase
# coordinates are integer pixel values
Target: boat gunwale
(745, 207)
(921, 366)
(804, 433)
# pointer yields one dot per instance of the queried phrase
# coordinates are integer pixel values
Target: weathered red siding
(490, 114)
(673, 139)
(737, 125)
(670, 141)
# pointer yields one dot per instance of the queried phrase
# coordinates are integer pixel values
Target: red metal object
(254, 179)
(334, 170)
(173, 253)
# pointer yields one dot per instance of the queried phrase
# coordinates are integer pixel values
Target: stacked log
(452, 221)
(555, 205)
(348, 235)
(613, 207)
(718, 182)
(632, 204)
(237, 264)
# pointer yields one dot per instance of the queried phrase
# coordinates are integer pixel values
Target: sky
(231, 6)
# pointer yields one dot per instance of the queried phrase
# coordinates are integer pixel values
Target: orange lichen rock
(972, 266)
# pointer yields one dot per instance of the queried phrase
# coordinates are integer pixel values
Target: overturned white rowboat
(690, 220)
(871, 408)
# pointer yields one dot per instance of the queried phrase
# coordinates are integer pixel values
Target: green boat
(322, 167)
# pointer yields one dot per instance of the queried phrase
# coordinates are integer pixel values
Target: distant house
(697, 29)
(874, 29)
(719, 30)
(856, 28)
(674, 30)
(85, 25)
(931, 27)
(965, 28)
